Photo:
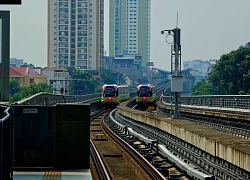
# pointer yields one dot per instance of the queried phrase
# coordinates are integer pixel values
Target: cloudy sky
(209, 28)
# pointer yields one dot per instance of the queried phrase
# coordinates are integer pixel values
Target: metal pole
(176, 85)
(176, 65)
(5, 56)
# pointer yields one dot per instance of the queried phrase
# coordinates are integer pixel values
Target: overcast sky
(209, 28)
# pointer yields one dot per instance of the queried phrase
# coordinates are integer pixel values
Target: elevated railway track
(175, 135)
(206, 159)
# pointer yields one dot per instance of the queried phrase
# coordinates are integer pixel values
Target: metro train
(146, 96)
(113, 94)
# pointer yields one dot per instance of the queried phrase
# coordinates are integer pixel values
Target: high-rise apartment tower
(129, 28)
(76, 33)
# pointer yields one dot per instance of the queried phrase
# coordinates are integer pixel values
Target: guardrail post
(157, 150)
(152, 145)
(237, 102)
(6, 144)
(126, 129)
(47, 100)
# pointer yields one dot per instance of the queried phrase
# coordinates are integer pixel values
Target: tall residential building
(129, 28)
(76, 33)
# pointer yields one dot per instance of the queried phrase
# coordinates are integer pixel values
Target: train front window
(109, 92)
(144, 92)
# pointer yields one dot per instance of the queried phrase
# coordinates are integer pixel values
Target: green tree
(94, 84)
(203, 88)
(232, 75)
(71, 70)
(14, 87)
(30, 90)
(246, 76)
(107, 78)
(82, 82)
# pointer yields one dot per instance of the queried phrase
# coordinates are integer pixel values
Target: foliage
(203, 88)
(230, 77)
(143, 80)
(232, 73)
(71, 70)
(14, 87)
(98, 90)
(107, 78)
(23, 92)
(83, 83)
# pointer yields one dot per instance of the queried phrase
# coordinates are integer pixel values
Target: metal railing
(6, 143)
(51, 99)
(44, 98)
(222, 101)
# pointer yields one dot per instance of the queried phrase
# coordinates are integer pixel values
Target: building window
(31, 81)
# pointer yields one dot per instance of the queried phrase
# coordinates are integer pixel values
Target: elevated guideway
(224, 154)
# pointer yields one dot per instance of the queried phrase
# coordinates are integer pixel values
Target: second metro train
(113, 94)
(146, 95)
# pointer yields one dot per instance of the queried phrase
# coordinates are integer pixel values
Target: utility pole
(176, 79)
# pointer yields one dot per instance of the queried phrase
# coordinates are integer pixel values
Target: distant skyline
(208, 29)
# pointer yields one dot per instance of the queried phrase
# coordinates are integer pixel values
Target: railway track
(148, 150)
(100, 171)
(189, 153)
(112, 157)
(101, 146)
(175, 151)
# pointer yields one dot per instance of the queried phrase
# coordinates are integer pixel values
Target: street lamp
(176, 79)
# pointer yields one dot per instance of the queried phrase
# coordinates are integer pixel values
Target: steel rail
(149, 168)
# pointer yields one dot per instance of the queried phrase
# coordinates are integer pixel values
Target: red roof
(33, 72)
(18, 71)
(22, 71)
(13, 72)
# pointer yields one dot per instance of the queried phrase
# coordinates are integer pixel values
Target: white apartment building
(129, 28)
(199, 66)
(57, 78)
(75, 33)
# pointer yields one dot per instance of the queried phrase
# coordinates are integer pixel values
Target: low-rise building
(27, 76)
(57, 78)
(127, 65)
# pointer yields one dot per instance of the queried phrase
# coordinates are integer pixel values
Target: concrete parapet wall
(228, 147)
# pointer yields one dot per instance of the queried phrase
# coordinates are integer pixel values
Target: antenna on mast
(177, 21)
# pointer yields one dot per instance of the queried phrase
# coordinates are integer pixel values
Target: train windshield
(109, 92)
(144, 92)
